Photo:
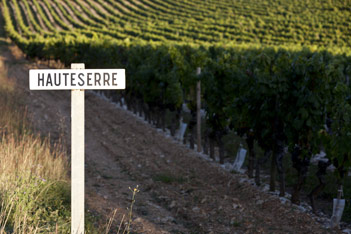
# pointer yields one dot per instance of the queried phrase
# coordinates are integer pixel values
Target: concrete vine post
(198, 113)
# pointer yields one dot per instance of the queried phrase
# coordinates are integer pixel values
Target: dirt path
(179, 192)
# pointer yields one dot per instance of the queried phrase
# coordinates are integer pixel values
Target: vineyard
(322, 23)
(276, 73)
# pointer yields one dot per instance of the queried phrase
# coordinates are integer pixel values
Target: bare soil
(179, 191)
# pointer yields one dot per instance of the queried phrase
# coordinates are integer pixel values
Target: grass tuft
(168, 179)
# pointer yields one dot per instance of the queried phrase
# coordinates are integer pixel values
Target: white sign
(77, 79)
(68, 79)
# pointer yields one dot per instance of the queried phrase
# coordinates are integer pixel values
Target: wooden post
(198, 102)
(77, 157)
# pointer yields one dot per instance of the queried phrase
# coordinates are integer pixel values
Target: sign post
(77, 79)
(77, 157)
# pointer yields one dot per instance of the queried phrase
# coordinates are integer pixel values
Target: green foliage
(37, 200)
(274, 69)
(168, 179)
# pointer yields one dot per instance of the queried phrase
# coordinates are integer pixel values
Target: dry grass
(30, 154)
(34, 187)
(21, 151)
(12, 113)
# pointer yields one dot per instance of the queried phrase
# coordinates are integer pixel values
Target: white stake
(77, 157)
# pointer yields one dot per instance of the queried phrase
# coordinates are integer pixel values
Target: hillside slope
(180, 192)
(268, 22)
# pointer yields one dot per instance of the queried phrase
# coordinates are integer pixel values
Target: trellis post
(198, 112)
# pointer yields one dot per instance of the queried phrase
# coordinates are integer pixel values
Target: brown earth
(179, 191)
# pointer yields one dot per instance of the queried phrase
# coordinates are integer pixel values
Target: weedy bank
(34, 186)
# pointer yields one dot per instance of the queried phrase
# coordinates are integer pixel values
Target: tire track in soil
(38, 16)
(60, 13)
(49, 16)
(25, 16)
(195, 196)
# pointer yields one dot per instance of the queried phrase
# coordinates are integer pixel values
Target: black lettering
(65, 75)
(97, 80)
(114, 79)
(57, 79)
(89, 79)
(106, 79)
(49, 80)
(41, 79)
(80, 76)
(73, 79)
